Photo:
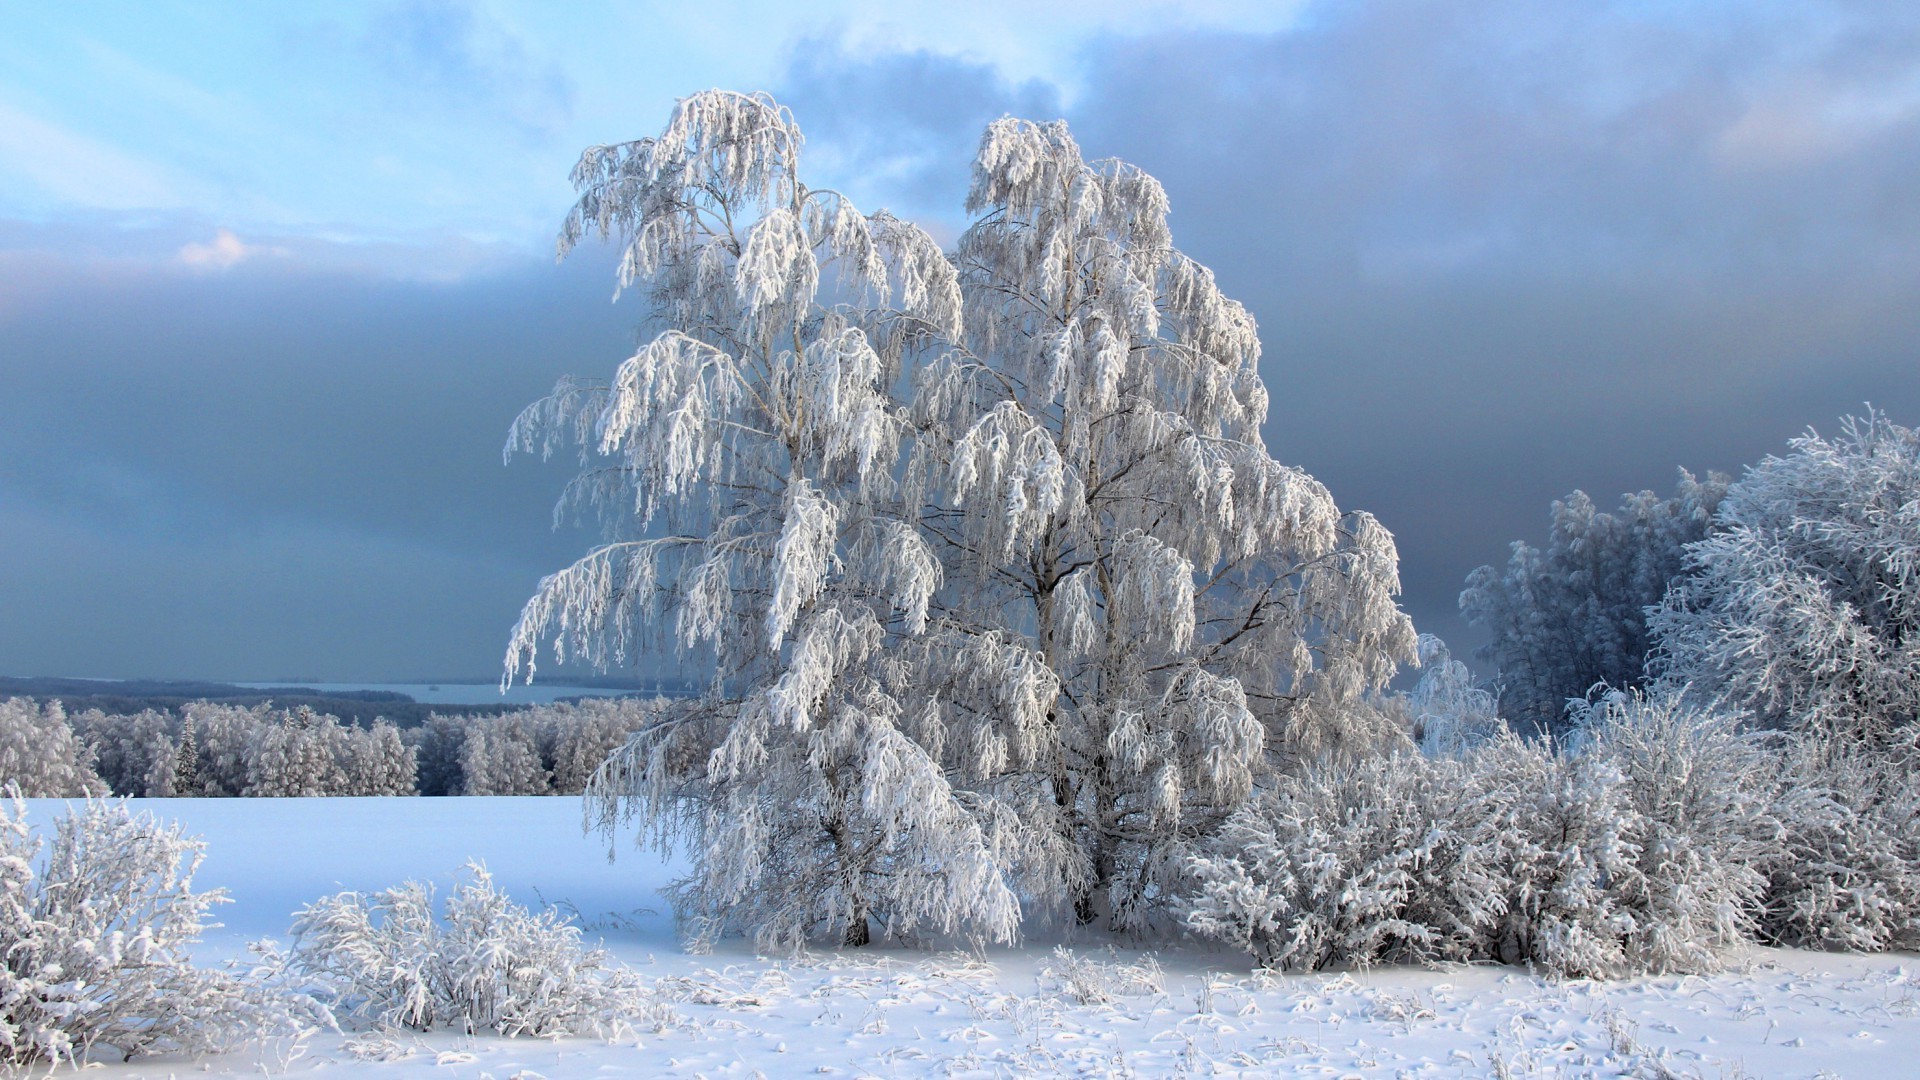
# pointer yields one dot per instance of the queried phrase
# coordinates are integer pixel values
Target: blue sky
(274, 278)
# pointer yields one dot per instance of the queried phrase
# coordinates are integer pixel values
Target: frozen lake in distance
(539, 693)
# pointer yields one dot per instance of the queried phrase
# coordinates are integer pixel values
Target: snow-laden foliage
(481, 963)
(1804, 603)
(97, 932)
(228, 750)
(1446, 712)
(1844, 869)
(40, 757)
(1637, 853)
(1092, 468)
(132, 752)
(1350, 862)
(745, 462)
(1573, 615)
(500, 755)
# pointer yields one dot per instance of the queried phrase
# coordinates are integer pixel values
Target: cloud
(224, 251)
(1500, 250)
(899, 128)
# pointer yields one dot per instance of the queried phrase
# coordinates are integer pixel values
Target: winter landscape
(968, 686)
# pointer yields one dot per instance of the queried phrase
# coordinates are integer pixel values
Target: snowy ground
(1037, 1011)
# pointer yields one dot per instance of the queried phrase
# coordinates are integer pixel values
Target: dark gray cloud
(273, 471)
(1498, 251)
(1502, 250)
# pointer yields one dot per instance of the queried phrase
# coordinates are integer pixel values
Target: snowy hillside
(1052, 1008)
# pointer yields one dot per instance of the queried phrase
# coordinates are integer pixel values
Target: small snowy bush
(1091, 981)
(1346, 863)
(1633, 854)
(484, 963)
(96, 938)
(1637, 852)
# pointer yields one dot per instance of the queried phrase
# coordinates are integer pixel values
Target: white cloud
(223, 251)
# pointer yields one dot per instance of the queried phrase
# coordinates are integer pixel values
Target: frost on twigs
(481, 963)
(1804, 603)
(96, 932)
(1096, 480)
(1637, 853)
(745, 464)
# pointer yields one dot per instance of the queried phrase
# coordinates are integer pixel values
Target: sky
(275, 278)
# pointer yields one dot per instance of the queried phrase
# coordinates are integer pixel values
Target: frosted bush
(1346, 863)
(1635, 853)
(1844, 871)
(1091, 981)
(483, 963)
(96, 936)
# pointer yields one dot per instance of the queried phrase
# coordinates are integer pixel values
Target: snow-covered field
(1078, 1008)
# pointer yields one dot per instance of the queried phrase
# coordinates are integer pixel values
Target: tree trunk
(857, 934)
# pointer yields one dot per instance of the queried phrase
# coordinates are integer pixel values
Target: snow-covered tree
(375, 761)
(132, 752)
(225, 735)
(97, 934)
(745, 462)
(186, 761)
(39, 755)
(501, 756)
(1573, 615)
(1172, 612)
(437, 746)
(296, 758)
(577, 738)
(1804, 603)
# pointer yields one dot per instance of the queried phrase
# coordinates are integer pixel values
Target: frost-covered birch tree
(1173, 611)
(745, 464)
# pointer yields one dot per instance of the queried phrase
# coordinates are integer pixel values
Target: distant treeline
(222, 749)
(355, 707)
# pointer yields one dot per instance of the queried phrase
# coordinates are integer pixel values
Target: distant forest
(358, 707)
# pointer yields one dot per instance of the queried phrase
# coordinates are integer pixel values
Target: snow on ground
(1085, 1009)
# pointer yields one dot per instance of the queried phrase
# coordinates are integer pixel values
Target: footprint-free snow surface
(1071, 1008)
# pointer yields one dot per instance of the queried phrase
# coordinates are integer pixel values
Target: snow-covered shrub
(1348, 863)
(39, 755)
(1089, 980)
(1697, 785)
(1844, 869)
(1572, 615)
(482, 963)
(96, 939)
(1804, 604)
(1636, 852)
